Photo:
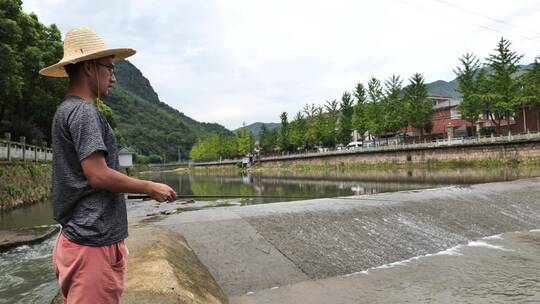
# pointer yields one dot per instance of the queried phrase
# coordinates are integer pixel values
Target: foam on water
(453, 251)
(487, 245)
(493, 237)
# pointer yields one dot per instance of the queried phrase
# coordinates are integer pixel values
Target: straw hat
(82, 44)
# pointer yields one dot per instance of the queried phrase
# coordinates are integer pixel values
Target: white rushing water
(27, 274)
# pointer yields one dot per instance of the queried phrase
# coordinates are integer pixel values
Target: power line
(465, 21)
(487, 17)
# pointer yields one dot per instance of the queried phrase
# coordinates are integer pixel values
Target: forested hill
(147, 125)
(255, 128)
(449, 89)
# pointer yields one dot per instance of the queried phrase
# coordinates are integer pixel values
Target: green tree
(245, 140)
(297, 135)
(330, 125)
(283, 142)
(267, 139)
(359, 117)
(467, 74)
(313, 131)
(393, 117)
(345, 123)
(419, 107)
(531, 84)
(373, 115)
(503, 96)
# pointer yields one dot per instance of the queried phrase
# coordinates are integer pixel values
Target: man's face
(104, 74)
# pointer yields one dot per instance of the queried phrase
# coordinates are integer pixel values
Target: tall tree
(393, 105)
(530, 83)
(359, 121)
(503, 95)
(374, 110)
(467, 74)
(283, 142)
(419, 107)
(330, 128)
(267, 141)
(345, 123)
(315, 124)
(297, 135)
(246, 141)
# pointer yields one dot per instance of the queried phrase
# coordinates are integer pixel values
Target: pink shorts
(89, 274)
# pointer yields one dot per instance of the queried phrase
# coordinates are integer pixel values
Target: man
(90, 255)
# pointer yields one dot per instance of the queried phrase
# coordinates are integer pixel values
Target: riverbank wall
(24, 183)
(484, 153)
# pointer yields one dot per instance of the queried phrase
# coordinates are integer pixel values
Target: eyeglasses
(109, 67)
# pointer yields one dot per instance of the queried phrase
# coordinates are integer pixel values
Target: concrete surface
(253, 248)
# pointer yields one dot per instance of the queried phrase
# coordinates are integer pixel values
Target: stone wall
(494, 151)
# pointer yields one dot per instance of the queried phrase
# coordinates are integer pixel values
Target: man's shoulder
(73, 103)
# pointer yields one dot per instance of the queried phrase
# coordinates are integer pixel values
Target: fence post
(44, 149)
(22, 140)
(34, 143)
(7, 136)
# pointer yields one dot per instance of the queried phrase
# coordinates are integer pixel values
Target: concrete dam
(290, 252)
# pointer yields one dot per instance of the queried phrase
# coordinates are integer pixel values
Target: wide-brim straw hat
(82, 44)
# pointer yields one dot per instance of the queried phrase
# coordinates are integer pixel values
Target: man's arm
(100, 176)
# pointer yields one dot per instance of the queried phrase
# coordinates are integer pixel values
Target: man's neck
(82, 91)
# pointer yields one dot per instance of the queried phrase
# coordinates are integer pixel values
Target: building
(125, 158)
(447, 120)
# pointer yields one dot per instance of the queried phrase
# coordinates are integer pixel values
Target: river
(26, 275)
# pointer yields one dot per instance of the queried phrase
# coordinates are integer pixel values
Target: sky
(245, 61)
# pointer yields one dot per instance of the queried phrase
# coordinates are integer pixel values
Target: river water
(26, 275)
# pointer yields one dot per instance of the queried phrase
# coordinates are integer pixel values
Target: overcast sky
(236, 61)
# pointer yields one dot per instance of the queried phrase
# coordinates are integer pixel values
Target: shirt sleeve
(86, 131)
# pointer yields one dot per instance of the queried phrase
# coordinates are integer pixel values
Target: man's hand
(161, 192)
(102, 177)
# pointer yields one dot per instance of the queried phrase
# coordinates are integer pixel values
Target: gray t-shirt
(88, 216)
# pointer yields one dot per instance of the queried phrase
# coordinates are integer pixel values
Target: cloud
(244, 61)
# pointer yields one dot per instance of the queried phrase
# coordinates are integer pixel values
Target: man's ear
(88, 68)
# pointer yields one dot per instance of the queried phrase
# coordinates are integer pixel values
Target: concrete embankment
(254, 248)
(26, 236)
(163, 269)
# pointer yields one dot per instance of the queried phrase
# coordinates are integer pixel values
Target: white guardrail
(16, 151)
(460, 141)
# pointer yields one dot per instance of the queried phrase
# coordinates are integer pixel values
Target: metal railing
(21, 151)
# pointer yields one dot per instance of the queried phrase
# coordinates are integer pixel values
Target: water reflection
(35, 215)
(297, 185)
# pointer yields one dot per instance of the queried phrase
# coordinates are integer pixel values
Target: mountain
(148, 125)
(449, 89)
(443, 88)
(255, 128)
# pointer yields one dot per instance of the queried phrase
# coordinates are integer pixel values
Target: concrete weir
(254, 248)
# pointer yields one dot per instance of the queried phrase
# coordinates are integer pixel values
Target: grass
(486, 163)
(23, 183)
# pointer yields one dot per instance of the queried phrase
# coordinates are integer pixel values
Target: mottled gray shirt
(88, 216)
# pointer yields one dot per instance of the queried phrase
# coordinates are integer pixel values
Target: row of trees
(495, 91)
(222, 145)
(378, 109)
(492, 90)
